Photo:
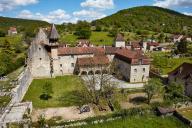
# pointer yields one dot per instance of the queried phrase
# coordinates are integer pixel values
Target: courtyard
(63, 90)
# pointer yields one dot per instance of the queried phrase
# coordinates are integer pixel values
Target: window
(135, 70)
(39, 49)
(72, 56)
(61, 65)
(140, 61)
(72, 65)
(143, 69)
(59, 57)
(40, 58)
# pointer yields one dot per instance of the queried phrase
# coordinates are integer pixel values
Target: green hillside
(21, 24)
(147, 18)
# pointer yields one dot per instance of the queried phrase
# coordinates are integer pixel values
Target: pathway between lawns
(67, 113)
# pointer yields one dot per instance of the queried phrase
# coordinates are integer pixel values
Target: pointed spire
(54, 36)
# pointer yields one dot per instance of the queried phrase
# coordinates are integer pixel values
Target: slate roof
(53, 33)
(120, 37)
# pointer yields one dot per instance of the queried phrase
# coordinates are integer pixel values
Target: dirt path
(67, 113)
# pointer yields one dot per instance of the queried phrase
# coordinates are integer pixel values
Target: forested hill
(147, 18)
(21, 24)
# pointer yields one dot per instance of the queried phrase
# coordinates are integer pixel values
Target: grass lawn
(97, 38)
(4, 100)
(165, 64)
(63, 88)
(148, 121)
(187, 112)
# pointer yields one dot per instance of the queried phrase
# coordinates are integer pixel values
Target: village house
(183, 75)
(12, 31)
(84, 43)
(119, 41)
(177, 38)
(46, 58)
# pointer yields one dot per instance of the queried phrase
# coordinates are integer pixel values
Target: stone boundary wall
(184, 119)
(24, 80)
(17, 94)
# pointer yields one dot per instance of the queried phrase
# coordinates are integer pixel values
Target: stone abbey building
(47, 58)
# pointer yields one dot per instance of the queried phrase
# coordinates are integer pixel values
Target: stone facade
(47, 59)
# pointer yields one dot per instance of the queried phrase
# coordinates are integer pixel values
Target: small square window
(135, 70)
(39, 49)
(72, 65)
(40, 58)
(143, 69)
(61, 65)
(72, 56)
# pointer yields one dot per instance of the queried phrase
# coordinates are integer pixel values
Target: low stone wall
(183, 118)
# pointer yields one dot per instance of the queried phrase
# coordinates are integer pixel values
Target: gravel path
(67, 113)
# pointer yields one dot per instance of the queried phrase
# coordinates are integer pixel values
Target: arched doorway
(97, 72)
(83, 73)
(90, 73)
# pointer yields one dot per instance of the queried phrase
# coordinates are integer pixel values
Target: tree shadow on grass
(138, 100)
(45, 97)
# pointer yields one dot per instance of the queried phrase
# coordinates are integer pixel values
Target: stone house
(46, 58)
(119, 41)
(183, 74)
(177, 38)
(12, 31)
(132, 65)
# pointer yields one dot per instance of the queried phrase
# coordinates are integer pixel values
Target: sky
(59, 11)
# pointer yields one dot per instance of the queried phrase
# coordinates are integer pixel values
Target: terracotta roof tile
(93, 61)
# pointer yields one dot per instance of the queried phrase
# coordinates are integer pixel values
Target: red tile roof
(93, 61)
(13, 29)
(153, 44)
(80, 50)
(132, 57)
(136, 45)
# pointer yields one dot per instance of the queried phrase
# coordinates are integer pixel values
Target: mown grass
(97, 38)
(147, 121)
(63, 92)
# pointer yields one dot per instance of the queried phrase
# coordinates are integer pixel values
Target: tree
(2, 34)
(161, 38)
(98, 28)
(47, 91)
(182, 46)
(41, 121)
(153, 87)
(99, 87)
(113, 32)
(83, 30)
(175, 92)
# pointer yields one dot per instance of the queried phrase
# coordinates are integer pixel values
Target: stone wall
(133, 73)
(24, 80)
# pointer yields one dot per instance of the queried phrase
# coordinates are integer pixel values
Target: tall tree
(153, 87)
(47, 91)
(83, 30)
(182, 46)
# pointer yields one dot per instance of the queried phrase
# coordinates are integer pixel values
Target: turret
(53, 36)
